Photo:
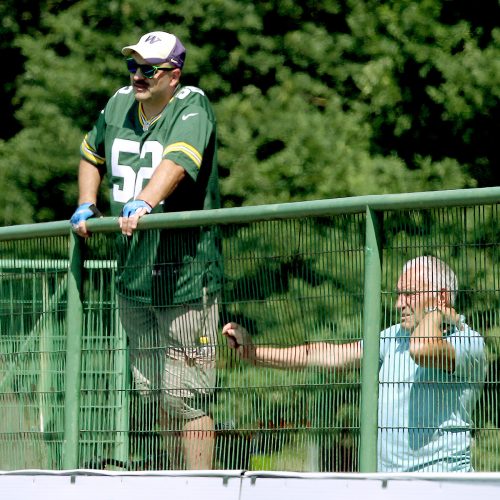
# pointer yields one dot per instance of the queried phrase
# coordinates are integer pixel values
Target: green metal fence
(293, 273)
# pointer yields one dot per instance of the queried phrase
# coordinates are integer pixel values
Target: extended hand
(238, 338)
(131, 213)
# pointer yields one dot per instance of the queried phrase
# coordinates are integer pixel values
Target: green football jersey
(172, 265)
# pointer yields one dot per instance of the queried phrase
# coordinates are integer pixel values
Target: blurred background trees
(313, 99)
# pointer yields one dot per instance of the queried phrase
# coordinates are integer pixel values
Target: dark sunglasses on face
(148, 70)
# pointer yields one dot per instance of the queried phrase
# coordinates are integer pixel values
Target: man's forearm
(163, 183)
(280, 357)
(315, 354)
(428, 348)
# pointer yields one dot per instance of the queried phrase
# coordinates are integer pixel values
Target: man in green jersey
(156, 142)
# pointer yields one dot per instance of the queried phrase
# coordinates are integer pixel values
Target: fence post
(74, 322)
(371, 331)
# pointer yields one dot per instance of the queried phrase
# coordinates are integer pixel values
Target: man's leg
(191, 447)
(198, 441)
(189, 377)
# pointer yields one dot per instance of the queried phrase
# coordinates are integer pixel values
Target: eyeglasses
(148, 70)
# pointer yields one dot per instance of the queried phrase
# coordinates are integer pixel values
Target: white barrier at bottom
(243, 485)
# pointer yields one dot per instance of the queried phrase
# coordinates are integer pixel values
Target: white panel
(238, 485)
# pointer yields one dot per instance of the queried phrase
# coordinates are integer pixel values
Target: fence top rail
(52, 264)
(314, 208)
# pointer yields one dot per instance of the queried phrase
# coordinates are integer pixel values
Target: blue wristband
(131, 208)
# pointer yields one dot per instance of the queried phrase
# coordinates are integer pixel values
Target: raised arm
(320, 354)
(428, 347)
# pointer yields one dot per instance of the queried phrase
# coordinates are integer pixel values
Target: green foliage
(314, 100)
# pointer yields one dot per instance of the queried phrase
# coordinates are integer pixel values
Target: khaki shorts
(173, 353)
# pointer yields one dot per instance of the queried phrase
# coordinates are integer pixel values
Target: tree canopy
(313, 99)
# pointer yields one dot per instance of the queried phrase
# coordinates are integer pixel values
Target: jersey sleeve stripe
(187, 149)
(89, 154)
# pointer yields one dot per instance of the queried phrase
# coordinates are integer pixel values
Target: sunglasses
(148, 70)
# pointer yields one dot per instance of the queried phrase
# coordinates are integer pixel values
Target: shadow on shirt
(434, 406)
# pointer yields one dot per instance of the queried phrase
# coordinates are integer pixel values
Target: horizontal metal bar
(53, 264)
(315, 208)
(27, 231)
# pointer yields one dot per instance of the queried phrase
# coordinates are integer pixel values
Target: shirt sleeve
(470, 358)
(92, 147)
(189, 139)
(385, 338)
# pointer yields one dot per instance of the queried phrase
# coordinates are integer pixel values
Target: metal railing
(325, 268)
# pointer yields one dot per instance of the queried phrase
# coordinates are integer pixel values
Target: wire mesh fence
(160, 389)
(32, 352)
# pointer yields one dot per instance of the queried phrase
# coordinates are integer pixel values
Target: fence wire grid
(291, 281)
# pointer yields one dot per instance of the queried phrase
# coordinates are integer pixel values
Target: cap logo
(152, 39)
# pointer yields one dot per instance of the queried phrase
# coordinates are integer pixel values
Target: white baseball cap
(159, 47)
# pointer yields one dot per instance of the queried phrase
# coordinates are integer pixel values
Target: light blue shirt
(425, 414)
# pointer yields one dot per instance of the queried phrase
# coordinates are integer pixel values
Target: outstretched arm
(320, 354)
